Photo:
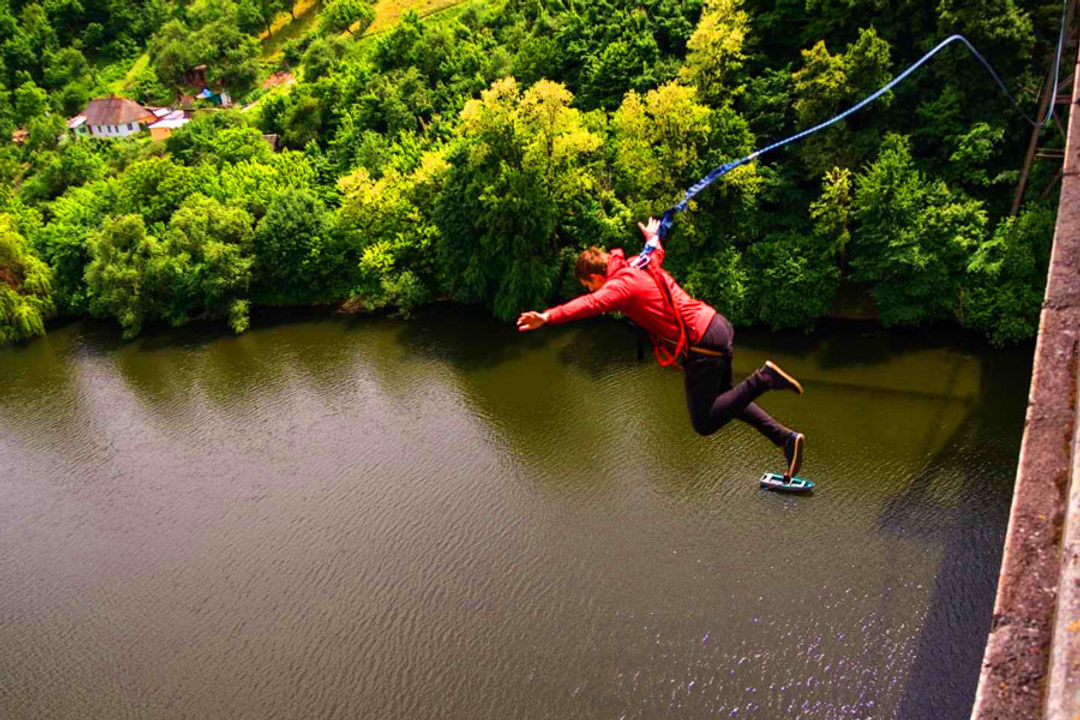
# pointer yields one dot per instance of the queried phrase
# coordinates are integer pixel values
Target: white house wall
(114, 130)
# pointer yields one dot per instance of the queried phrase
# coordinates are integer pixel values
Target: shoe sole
(797, 456)
(792, 381)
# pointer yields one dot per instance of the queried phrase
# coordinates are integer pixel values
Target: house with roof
(115, 117)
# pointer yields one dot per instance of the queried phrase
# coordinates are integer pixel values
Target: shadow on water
(450, 333)
(604, 347)
(944, 675)
(102, 337)
(862, 343)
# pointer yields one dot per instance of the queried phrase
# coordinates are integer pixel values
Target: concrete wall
(1031, 667)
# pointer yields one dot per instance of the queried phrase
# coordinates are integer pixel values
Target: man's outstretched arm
(609, 298)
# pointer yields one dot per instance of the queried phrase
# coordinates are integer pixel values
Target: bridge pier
(1031, 666)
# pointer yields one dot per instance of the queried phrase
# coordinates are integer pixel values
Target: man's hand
(651, 230)
(531, 320)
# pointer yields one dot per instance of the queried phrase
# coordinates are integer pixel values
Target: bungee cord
(669, 215)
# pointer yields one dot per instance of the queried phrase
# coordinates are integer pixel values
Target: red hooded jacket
(635, 294)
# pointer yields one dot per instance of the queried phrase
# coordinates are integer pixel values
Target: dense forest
(470, 156)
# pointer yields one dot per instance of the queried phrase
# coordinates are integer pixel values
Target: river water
(443, 518)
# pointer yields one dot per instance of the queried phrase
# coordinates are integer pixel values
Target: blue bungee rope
(669, 215)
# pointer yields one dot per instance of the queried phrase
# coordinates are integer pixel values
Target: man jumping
(683, 330)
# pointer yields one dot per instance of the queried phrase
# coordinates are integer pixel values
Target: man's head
(591, 269)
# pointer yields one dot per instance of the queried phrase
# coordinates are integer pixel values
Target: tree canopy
(470, 155)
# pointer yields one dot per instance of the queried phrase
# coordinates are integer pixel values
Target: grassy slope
(387, 14)
(285, 28)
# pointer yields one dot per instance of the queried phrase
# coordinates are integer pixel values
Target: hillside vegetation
(469, 156)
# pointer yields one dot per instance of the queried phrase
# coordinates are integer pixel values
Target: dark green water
(445, 519)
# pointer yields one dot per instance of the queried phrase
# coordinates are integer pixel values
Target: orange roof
(115, 110)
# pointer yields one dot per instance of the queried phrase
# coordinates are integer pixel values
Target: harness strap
(707, 351)
(665, 357)
(696, 349)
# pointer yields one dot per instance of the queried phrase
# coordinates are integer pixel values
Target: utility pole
(1063, 98)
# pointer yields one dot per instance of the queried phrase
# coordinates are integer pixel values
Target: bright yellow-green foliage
(386, 219)
(830, 83)
(351, 16)
(518, 174)
(715, 50)
(25, 287)
(554, 137)
(662, 137)
(832, 212)
(666, 139)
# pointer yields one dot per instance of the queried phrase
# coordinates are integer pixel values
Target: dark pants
(712, 400)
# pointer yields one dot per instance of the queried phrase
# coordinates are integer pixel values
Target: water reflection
(445, 518)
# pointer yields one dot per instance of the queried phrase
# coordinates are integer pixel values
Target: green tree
(75, 164)
(30, 102)
(302, 121)
(319, 59)
(219, 138)
(664, 142)
(64, 242)
(341, 15)
(298, 261)
(829, 83)
(831, 213)
(44, 132)
(1003, 289)
(911, 238)
(794, 280)
(73, 97)
(153, 187)
(722, 279)
(239, 66)
(522, 156)
(974, 149)
(213, 38)
(255, 185)
(255, 15)
(120, 275)
(390, 222)
(174, 50)
(25, 286)
(65, 67)
(208, 261)
(628, 63)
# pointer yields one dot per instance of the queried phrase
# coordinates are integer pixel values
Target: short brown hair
(592, 261)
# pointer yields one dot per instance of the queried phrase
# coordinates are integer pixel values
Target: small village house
(116, 117)
(119, 117)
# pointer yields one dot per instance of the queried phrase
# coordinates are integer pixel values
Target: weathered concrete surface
(1063, 698)
(1031, 668)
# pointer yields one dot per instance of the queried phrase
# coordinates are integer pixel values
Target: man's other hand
(651, 230)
